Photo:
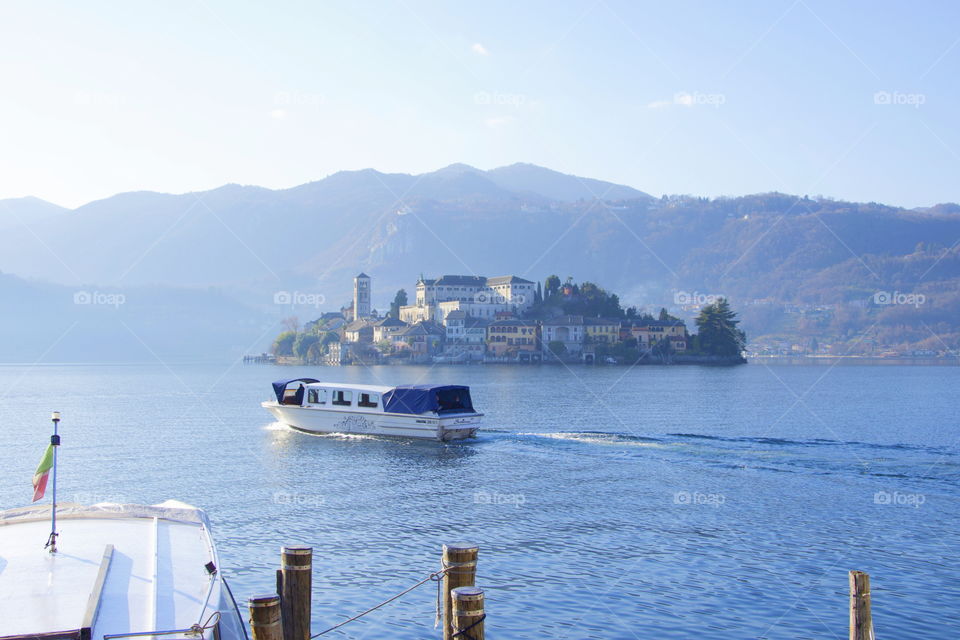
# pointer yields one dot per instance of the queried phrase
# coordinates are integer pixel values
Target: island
(465, 319)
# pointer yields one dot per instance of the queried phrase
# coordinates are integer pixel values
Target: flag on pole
(42, 473)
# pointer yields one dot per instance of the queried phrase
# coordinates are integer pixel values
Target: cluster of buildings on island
(458, 318)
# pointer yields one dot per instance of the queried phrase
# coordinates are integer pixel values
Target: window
(369, 400)
(342, 398)
(317, 396)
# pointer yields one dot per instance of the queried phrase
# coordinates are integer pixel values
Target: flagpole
(55, 441)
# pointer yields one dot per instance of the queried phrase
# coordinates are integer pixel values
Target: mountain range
(210, 263)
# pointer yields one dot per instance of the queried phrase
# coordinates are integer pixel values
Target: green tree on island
(551, 287)
(665, 316)
(303, 343)
(283, 345)
(718, 334)
(585, 299)
(399, 300)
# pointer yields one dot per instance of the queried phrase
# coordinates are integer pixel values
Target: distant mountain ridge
(246, 243)
(529, 178)
(14, 211)
(148, 237)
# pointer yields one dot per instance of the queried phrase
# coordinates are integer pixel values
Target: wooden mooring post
(468, 613)
(861, 620)
(460, 562)
(265, 617)
(294, 584)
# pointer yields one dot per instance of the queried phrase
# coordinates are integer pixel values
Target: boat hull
(425, 427)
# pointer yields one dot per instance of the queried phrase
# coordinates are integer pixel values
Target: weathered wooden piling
(266, 622)
(468, 615)
(294, 583)
(861, 620)
(460, 563)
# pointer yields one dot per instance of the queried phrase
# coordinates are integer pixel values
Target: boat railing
(189, 631)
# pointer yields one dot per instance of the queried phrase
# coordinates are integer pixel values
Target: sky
(852, 100)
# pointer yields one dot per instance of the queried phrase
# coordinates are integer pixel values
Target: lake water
(654, 502)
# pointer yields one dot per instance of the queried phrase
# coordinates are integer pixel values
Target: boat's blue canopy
(421, 398)
(280, 385)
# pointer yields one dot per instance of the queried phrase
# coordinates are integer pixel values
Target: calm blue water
(608, 503)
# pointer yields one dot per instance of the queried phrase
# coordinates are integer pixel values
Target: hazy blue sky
(707, 98)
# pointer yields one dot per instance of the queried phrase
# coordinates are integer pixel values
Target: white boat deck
(118, 569)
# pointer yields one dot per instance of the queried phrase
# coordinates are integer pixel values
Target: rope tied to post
(463, 632)
(436, 576)
(449, 567)
(445, 568)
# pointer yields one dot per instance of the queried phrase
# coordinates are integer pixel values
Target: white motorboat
(118, 571)
(438, 412)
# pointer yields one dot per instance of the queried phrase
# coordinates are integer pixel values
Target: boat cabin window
(342, 398)
(317, 396)
(369, 400)
(453, 400)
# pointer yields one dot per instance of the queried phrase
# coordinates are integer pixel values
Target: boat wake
(345, 436)
(813, 442)
(597, 437)
(279, 426)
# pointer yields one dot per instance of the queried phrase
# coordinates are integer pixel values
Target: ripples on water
(658, 502)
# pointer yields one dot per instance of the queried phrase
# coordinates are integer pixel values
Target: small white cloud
(278, 114)
(659, 104)
(479, 49)
(500, 121)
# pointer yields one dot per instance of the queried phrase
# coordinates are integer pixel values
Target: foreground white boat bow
(119, 571)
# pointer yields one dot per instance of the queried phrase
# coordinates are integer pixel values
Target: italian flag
(42, 473)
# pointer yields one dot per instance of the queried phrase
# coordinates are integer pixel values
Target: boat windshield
(293, 396)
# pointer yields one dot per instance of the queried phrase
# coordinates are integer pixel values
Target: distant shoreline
(857, 360)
